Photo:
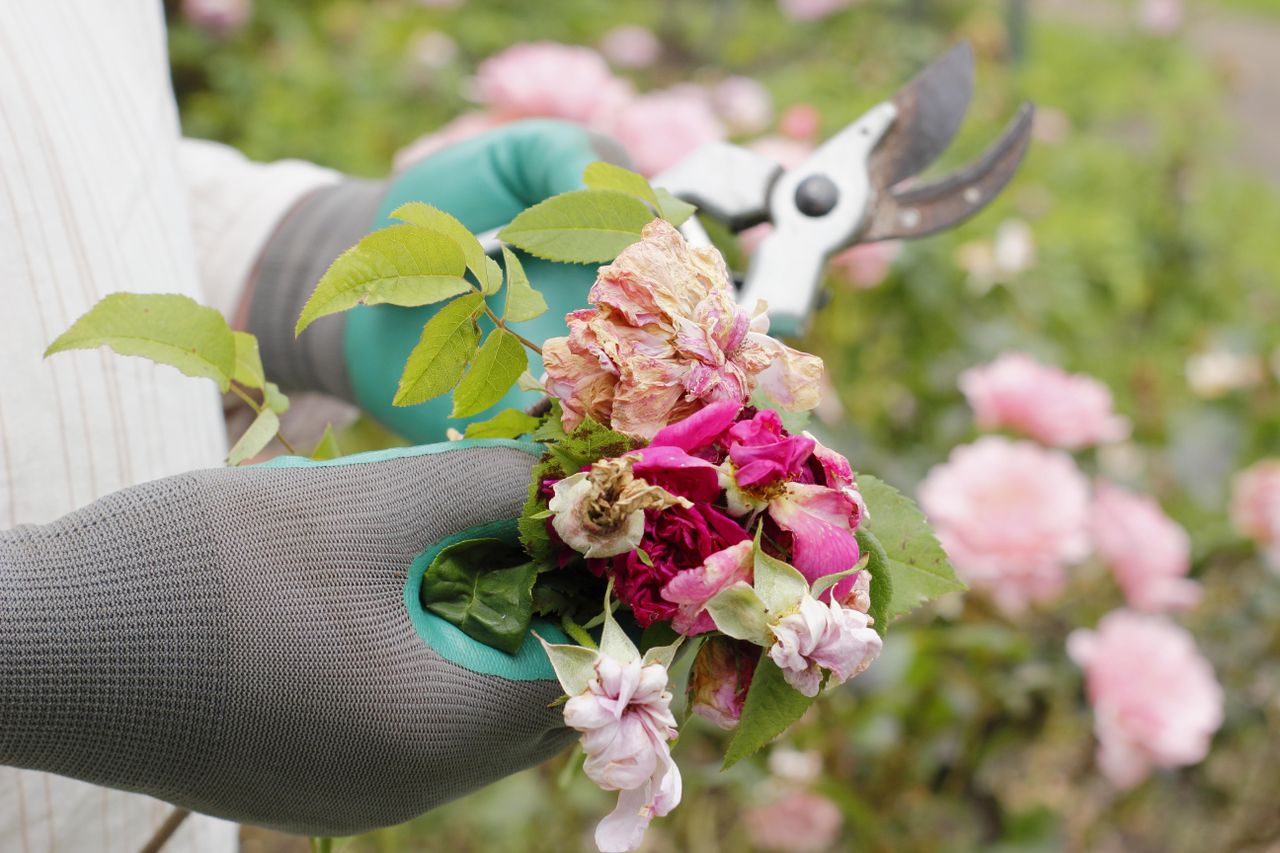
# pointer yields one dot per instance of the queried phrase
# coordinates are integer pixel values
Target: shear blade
(927, 208)
(931, 108)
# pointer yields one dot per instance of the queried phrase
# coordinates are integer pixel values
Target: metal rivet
(910, 217)
(973, 195)
(817, 195)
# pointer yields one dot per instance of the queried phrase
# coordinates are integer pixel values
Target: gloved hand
(359, 356)
(249, 643)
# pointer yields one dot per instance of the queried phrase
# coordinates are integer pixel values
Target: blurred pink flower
(866, 264)
(1156, 701)
(432, 50)
(660, 129)
(219, 17)
(551, 80)
(823, 636)
(1011, 515)
(1160, 17)
(800, 122)
(626, 721)
(811, 10)
(720, 678)
(1148, 552)
(1255, 507)
(1054, 407)
(631, 46)
(440, 4)
(465, 126)
(666, 338)
(744, 104)
(796, 822)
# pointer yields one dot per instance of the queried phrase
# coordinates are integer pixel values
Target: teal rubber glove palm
(484, 182)
(249, 642)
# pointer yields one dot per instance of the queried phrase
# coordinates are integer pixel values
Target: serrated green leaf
(327, 447)
(523, 302)
(916, 562)
(399, 265)
(770, 708)
(580, 227)
(248, 369)
(434, 219)
(448, 341)
(738, 611)
(255, 438)
(485, 588)
(552, 426)
(779, 586)
(607, 176)
(274, 399)
(674, 210)
(509, 423)
(881, 579)
(496, 367)
(163, 327)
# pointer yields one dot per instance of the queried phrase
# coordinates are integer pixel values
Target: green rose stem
(497, 321)
(257, 410)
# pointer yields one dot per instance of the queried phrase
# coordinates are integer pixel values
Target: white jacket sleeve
(235, 205)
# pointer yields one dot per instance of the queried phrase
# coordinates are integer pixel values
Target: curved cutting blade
(927, 208)
(930, 108)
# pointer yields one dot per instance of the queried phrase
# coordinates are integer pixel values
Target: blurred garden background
(1140, 244)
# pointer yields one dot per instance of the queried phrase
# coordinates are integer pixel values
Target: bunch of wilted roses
(720, 522)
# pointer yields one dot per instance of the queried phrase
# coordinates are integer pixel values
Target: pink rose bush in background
(798, 821)
(659, 129)
(1048, 404)
(1155, 699)
(1255, 507)
(552, 80)
(811, 10)
(218, 17)
(631, 46)
(1011, 516)
(1148, 552)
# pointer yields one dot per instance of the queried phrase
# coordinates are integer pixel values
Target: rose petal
(678, 472)
(700, 429)
(820, 521)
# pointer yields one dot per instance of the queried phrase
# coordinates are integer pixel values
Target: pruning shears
(852, 189)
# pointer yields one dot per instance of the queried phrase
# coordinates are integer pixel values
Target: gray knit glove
(243, 642)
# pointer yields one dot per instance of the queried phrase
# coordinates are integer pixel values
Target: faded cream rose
(665, 339)
(600, 513)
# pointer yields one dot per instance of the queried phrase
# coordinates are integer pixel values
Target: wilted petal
(792, 378)
(623, 830)
(568, 503)
(678, 472)
(701, 429)
(769, 463)
(693, 588)
(821, 522)
(720, 678)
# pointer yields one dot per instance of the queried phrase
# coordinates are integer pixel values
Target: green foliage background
(1153, 242)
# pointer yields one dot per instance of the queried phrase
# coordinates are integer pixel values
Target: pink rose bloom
(626, 722)
(1054, 407)
(720, 678)
(1160, 17)
(811, 10)
(1255, 507)
(660, 129)
(551, 80)
(1148, 552)
(465, 126)
(667, 338)
(745, 104)
(218, 17)
(1155, 699)
(823, 636)
(801, 122)
(1010, 515)
(796, 822)
(631, 46)
(866, 264)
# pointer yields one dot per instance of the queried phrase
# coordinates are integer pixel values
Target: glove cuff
(323, 225)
